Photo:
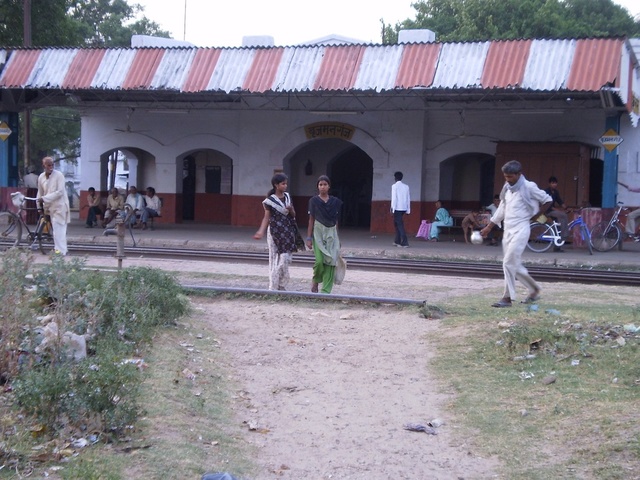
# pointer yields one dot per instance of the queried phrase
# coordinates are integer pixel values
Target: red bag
(423, 231)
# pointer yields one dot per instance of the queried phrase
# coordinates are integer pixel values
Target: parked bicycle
(13, 224)
(606, 235)
(543, 235)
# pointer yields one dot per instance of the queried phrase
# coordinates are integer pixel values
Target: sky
(223, 23)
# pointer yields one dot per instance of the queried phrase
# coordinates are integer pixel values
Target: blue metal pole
(9, 151)
(610, 172)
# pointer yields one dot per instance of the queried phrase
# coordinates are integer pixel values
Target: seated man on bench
(152, 208)
(115, 207)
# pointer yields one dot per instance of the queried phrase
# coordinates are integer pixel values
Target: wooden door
(568, 162)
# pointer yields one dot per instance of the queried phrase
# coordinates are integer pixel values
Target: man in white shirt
(520, 201)
(31, 178)
(400, 205)
(152, 208)
(136, 202)
(493, 206)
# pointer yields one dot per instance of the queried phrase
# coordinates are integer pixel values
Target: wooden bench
(457, 217)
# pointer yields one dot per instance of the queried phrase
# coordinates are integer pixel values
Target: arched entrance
(467, 180)
(206, 186)
(351, 176)
(350, 170)
(122, 167)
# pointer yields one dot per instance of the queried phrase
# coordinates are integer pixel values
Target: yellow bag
(542, 218)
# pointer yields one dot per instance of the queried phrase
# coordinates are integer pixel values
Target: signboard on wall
(329, 130)
(610, 140)
(5, 131)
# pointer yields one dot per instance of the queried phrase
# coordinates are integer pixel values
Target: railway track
(450, 268)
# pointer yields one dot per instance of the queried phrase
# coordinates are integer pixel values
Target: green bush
(101, 391)
(15, 312)
(138, 301)
(117, 314)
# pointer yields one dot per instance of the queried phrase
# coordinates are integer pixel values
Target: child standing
(469, 223)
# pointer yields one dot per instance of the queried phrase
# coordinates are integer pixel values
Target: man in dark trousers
(400, 205)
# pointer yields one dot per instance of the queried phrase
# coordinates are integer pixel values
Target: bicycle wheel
(10, 230)
(605, 237)
(540, 238)
(586, 238)
(44, 236)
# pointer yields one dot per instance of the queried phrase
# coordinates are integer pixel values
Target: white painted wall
(413, 142)
(629, 163)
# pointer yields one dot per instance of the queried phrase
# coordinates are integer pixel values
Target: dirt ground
(327, 388)
(324, 390)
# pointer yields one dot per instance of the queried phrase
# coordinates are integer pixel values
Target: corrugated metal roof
(202, 66)
(82, 69)
(263, 72)
(505, 64)
(299, 68)
(378, 69)
(142, 70)
(460, 65)
(339, 68)
(593, 63)
(172, 70)
(418, 66)
(549, 65)
(231, 70)
(113, 69)
(541, 65)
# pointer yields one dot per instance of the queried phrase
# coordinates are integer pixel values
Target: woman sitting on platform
(442, 219)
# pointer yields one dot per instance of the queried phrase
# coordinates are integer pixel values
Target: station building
(208, 127)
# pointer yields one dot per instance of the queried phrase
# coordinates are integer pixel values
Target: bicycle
(607, 234)
(543, 235)
(12, 225)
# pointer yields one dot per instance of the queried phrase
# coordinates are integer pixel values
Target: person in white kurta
(520, 201)
(52, 193)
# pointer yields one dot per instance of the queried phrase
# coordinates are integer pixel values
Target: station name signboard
(329, 130)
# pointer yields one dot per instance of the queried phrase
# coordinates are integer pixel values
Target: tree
(55, 130)
(49, 23)
(479, 20)
(75, 23)
(69, 23)
(101, 23)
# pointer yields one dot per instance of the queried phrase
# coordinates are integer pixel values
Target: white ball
(476, 238)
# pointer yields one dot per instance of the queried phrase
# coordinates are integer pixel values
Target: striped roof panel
(540, 65)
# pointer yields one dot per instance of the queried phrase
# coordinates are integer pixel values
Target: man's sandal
(502, 303)
(531, 299)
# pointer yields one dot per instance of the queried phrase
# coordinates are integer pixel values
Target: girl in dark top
(322, 235)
